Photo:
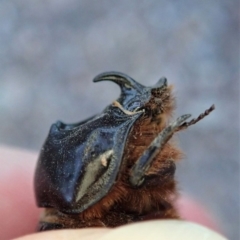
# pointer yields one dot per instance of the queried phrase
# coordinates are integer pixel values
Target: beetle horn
(162, 82)
(124, 81)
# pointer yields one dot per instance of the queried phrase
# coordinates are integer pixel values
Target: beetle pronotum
(116, 167)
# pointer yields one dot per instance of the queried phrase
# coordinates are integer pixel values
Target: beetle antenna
(123, 80)
(195, 120)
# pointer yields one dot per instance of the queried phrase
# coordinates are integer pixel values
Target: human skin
(19, 214)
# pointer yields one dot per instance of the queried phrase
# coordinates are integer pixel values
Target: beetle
(116, 167)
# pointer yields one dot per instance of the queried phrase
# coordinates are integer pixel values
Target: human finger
(18, 212)
(154, 230)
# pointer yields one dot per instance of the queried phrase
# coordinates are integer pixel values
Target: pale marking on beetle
(117, 104)
(91, 172)
(127, 86)
(104, 161)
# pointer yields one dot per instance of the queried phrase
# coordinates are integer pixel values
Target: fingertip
(18, 211)
(73, 234)
(154, 230)
(192, 210)
(162, 229)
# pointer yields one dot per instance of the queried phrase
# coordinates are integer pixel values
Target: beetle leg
(140, 168)
(165, 173)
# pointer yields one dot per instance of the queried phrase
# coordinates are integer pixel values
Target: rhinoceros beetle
(116, 167)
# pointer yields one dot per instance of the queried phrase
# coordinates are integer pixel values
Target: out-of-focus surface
(51, 50)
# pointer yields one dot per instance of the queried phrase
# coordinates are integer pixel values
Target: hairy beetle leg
(140, 168)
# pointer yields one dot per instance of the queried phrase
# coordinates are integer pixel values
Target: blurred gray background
(51, 50)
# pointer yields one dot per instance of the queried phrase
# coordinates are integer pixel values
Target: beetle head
(134, 96)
